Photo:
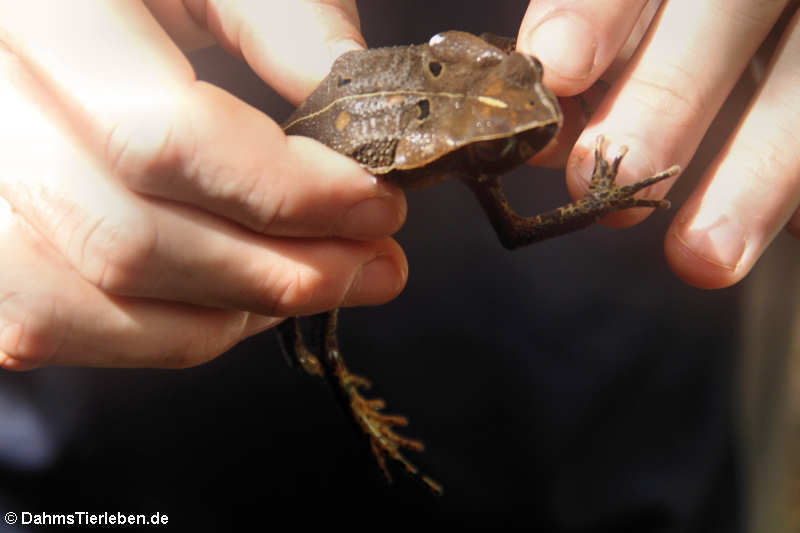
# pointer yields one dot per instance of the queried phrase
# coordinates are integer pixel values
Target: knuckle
(255, 196)
(142, 148)
(31, 332)
(758, 13)
(296, 293)
(157, 151)
(758, 165)
(264, 203)
(671, 92)
(115, 253)
(251, 195)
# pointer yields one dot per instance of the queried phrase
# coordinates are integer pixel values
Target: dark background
(575, 385)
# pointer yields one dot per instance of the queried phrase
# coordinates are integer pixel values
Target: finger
(662, 104)
(126, 244)
(575, 116)
(179, 21)
(240, 269)
(49, 315)
(100, 59)
(577, 40)
(220, 154)
(291, 44)
(753, 187)
(129, 93)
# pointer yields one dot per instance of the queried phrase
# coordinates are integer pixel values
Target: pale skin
(661, 103)
(152, 220)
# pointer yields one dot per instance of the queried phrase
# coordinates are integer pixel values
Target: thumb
(290, 44)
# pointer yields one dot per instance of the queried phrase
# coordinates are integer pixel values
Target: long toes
(357, 381)
(664, 174)
(618, 159)
(389, 420)
(410, 444)
(375, 404)
(598, 146)
(380, 456)
(662, 204)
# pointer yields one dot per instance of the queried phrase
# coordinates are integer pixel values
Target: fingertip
(297, 89)
(380, 279)
(15, 365)
(374, 217)
(691, 257)
(27, 358)
(340, 195)
(259, 323)
(566, 45)
(292, 46)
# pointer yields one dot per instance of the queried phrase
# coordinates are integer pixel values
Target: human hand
(661, 105)
(149, 219)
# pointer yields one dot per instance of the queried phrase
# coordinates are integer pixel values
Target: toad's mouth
(497, 156)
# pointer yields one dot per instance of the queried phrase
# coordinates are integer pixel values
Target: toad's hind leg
(603, 197)
(364, 412)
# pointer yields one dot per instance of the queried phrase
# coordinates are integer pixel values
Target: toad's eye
(436, 68)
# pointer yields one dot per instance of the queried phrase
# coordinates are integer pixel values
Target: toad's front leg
(603, 197)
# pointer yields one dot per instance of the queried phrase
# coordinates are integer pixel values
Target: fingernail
(371, 218)
(565, 44)
(721, 243)
(377, 281)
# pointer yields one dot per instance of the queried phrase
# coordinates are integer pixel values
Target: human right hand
(149, 219)
(661, 103)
